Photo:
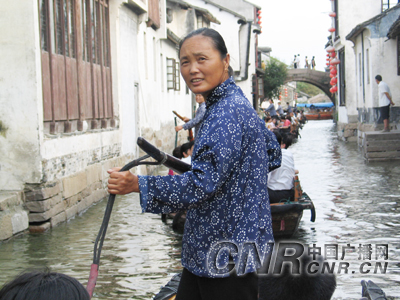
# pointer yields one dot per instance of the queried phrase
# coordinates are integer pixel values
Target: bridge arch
(317, 78)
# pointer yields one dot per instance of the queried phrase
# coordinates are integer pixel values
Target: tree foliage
(275, 75)
(309, 89)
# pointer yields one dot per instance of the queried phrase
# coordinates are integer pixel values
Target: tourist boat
(318, 111)
(369, 290)
(286, 216)
(319, 115)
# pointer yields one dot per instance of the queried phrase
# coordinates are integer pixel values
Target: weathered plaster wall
(20, 96)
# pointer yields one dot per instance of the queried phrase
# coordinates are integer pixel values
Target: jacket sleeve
(216, 154)
(197, 119)
(273, 150)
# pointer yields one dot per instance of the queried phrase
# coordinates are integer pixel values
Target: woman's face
(202, 66)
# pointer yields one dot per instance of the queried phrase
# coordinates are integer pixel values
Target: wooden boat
(369, 290)
(286, 215)
(319, 115)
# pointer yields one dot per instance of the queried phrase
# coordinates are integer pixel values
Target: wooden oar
(190, 138)
(178, 115)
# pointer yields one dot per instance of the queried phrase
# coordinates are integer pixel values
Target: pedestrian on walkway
(306, 63)
(295, 62)
(313, 63)
(298, 61)
(385, 100)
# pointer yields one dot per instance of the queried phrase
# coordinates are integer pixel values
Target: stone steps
(379, 146)
(13, 217)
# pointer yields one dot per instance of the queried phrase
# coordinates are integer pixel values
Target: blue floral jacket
(225, 192)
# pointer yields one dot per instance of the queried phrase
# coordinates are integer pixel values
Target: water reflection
(356, 203)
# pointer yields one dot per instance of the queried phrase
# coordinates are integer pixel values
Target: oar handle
(167, 160)
(94, 272)
(178, 115)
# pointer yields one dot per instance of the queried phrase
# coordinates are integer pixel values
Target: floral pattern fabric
(225, 192)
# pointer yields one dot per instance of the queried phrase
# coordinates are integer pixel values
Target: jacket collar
(219, 92)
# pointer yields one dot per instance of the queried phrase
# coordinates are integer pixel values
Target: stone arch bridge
(316, 78)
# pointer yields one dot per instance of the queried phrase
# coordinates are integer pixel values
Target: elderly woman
(228, 217)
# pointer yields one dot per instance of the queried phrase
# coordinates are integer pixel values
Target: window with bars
(202, 22)
(76, 64)
(173, 75)
(386, 4)
(398, 55)
(342, 78)
(367, 66)
(260, 87)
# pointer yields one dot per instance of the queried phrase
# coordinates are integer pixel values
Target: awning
(316, 105)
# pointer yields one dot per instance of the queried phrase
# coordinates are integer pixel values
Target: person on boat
(269, 123)
(279, 110)
(44, 285)
(271, 109)
(285, 123)
(294, 122)
(198, 118)
(186, 151)
(224, 193)
(281, 181)
(289, 109)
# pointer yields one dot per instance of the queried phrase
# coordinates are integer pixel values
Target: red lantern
(334, 89)
(331, 29)
(333, 54)
(335, 61)
(334, 72)
(331, 75)
(331, 90)
(327, 63)
(330, 49)
(333, 81)
(327, 55)
(259, 22)
(332, 14)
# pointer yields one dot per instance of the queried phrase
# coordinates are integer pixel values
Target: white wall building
(352, 99)
(80, 82)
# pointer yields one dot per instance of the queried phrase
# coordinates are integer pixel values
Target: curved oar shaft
(94, 269)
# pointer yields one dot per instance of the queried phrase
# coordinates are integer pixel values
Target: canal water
(357, 204)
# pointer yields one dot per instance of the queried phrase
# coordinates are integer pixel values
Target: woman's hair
(44, 285)
(217, 39)
(186, 146)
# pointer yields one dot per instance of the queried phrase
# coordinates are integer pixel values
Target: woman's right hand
(121, 183)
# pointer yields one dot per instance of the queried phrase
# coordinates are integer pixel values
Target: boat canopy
(316, 105)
